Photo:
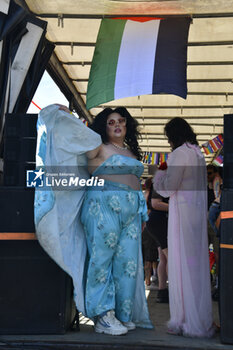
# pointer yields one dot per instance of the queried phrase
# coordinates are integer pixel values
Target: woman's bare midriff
(126, 179)
(105, 153)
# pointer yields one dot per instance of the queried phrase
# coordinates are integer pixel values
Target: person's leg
(146, 247)
(124, 269)
(162, 296)
(100, 284)
(165, 252)
(162, 269)
(154, 268)
(147, 269)
(102, 234)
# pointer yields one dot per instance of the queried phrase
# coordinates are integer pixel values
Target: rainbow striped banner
(154, 158)
(213, 145)
(218, 160)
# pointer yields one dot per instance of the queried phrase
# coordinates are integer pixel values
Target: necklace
(119, 147)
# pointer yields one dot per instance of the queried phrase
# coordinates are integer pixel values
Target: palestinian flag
(138, 56)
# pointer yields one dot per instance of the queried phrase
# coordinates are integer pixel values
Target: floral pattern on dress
(132, 231)
(114, 203)
(94, 210)
(126, 307)
(101, 276)
(130, 268)
(100, 223)
(111, 290)
(117, 285)
(94, 207)
(131, 197)
(99, 309)
(93, 251)
(119, 250)
(110, 239)
(129, 220)
(116, 163)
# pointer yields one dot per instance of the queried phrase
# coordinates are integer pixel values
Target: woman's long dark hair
(179, 131)
(132, 134)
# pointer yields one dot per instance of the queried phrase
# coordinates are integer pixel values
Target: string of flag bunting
(209, 147)
(218, 161)
(154, 158)
(213, 145)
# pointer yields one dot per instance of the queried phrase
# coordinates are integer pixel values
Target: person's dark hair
(216, 169)
(132, 134)
(179, 131)
(148, 183)
(212, 167)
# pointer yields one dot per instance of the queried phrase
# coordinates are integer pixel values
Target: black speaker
(20, 125)
(17, 209)
(35, 294)
(228, 152)
(19, 148)
(226, 263)
(15, 173)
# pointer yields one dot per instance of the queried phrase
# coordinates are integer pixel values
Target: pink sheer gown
(184, 182)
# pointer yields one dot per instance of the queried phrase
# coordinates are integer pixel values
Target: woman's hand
(158, 204)
(63, 108)
(143, 226)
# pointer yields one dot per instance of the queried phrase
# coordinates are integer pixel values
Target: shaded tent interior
(73, 28)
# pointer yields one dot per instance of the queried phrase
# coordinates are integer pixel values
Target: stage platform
(140, 339)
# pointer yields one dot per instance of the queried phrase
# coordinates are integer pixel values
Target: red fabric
(163, 166)
(138, 19)
(212, 259)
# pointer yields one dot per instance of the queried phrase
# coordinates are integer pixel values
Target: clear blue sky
(47, 93)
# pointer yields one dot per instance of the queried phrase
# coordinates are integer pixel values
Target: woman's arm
(94, 153)
(167, 182)
(158, 204)
(90, 154)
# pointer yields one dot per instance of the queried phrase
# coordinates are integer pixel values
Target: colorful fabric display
(218, 160)
(213, 145)
(154, 158)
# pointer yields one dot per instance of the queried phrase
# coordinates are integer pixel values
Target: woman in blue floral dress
(113, 217)
(102, 251)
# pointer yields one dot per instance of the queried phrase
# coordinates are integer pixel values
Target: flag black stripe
(171, 57)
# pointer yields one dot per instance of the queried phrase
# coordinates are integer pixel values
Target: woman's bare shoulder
(101, 154)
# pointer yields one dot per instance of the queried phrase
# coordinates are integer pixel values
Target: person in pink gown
(184, 181)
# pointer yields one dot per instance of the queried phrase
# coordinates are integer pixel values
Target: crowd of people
(169, 224)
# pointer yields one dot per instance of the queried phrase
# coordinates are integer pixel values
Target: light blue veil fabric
(62, 141)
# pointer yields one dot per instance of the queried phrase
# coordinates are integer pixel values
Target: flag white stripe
(135, 67)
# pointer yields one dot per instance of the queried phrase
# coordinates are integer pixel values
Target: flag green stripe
(103, 69)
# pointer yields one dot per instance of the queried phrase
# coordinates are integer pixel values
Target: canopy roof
(73, 27)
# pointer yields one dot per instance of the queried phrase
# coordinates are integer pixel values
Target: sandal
(173, 332)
